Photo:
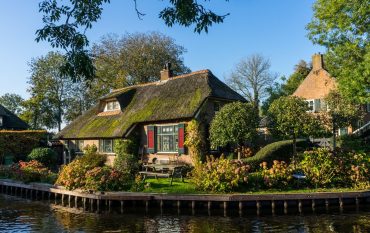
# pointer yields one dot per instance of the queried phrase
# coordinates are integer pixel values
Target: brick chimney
(166, 73)
(317, 62)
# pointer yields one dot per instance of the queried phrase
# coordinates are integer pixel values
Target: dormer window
(1, 121)
(112, 106)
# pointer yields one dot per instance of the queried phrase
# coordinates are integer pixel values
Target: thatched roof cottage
(157, 112)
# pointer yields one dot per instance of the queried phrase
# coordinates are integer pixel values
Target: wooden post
(55, 198)
(146, 206)
(49, 196)
(69, 201)
(300, 206)
(313, 204)
(258, 205)
(340, 204)
(357, 202)
(193, 207)
(84, 203)
(273, 207)
(97, 205)
(240, 208)
(209, 204)
(122, 207)
(285, 207)
(327, 204)
(76, 202)
(110, 206)
(62, 199)
(91, 204)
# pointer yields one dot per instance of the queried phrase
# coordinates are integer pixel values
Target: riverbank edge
(141, 196)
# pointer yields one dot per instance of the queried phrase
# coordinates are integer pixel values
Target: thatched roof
(11, 121)
(178, 98)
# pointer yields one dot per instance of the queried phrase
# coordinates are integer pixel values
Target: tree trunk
(239, 152)
(294, 147)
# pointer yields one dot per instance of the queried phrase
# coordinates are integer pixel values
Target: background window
(167, 138)
(106, 146)
(79, 145)
(112, 105)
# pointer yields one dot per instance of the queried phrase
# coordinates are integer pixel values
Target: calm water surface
(19, 215)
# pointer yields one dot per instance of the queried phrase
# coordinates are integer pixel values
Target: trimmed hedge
(281, 150)
(20, 143)
(46, 156)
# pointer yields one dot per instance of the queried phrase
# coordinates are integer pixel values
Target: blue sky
(275, 29)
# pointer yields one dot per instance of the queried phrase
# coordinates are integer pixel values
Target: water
(19, 215)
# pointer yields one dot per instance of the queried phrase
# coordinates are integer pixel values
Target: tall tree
(65, 26)
(235, 124)
(340, 112)
(132, 59)
(343, 27)
(13, 102)
(290, 117)
(50, 91)
(251, 78)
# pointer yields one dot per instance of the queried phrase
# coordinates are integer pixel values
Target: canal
(20, 215)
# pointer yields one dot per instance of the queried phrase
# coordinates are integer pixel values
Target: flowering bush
(106, 179)
(219, 175)
(340, 168)
(72, 175)
(32, 171)
(278, 176)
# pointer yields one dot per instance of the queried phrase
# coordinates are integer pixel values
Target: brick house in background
(10, 121)
(317, 85)
(155, 112)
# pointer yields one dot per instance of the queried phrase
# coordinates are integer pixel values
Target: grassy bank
(178, 187)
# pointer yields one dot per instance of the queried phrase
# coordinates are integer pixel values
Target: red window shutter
(151, 139)
(181, 137)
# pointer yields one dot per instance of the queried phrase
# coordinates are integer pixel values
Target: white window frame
(112, 105)
(309, 105)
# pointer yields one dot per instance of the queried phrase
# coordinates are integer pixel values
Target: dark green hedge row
(20, 143)
(281, 150)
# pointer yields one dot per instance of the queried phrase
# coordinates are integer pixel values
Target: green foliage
(234, 124)
(281, 151)
(219, 175)
(278, 176)
(65, 25)
(324, 168)
(354, 143)
(290, 118)
(126, 160)
(342, 27)
(341, 113)
(13, 102)
(133, 59)
(46, 156)
(50, 92)
(20, 143)
(195, 141)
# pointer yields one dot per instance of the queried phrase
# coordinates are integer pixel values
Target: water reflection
(18, 215)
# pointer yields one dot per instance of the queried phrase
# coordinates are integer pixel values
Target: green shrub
(46, 156)
(219, 175)
(20, 143)
(107, 179)
(281, 150)
(352, 142)
(126, 160)
(278, 176)
(91, 158)
(325, 168)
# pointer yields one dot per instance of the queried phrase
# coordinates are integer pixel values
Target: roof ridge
(157, 82)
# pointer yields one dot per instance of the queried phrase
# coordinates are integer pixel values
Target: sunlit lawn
(162, 185)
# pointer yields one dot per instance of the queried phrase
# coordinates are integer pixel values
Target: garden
(288, 165)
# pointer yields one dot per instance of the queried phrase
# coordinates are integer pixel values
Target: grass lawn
(162, 185)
